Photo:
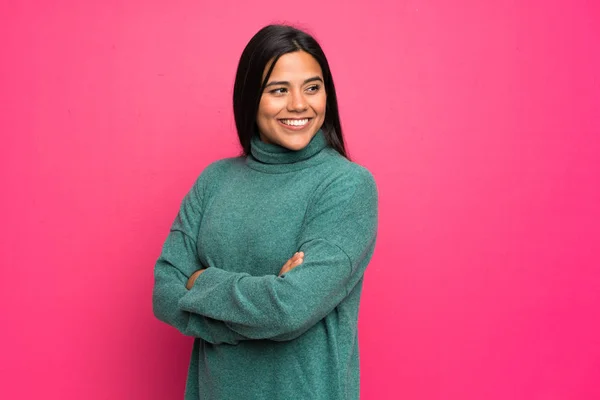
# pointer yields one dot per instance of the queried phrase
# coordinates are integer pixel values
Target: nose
(296, 101)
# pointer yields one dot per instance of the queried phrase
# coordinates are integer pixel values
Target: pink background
(479, 120)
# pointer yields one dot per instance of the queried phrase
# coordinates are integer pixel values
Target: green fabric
(258, 335)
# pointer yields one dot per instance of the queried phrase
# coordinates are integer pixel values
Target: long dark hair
(270, 43)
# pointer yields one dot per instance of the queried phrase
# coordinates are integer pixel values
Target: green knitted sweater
(260, 335)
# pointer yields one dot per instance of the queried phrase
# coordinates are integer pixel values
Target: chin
(295, 145)
(296, 142)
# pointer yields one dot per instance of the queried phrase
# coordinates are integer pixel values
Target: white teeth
(295, 122)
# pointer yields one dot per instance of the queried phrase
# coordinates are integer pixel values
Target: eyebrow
(314, 78)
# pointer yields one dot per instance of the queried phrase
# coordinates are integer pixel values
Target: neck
(274, 158)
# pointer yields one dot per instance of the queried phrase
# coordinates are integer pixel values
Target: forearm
(272, 307)
(165, 298)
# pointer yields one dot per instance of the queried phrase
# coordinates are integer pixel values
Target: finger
(286, 266)
(295, 264)
(291, 261)
(284, 270)
(290, 265)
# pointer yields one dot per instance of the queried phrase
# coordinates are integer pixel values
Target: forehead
(298, 65)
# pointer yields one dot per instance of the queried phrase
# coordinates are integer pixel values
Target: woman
(267, 328)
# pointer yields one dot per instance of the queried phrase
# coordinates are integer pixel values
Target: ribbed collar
(275, 159)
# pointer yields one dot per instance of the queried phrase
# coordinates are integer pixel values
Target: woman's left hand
(193, 278)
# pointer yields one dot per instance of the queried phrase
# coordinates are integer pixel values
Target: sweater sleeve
(337, 238)
(176, 263)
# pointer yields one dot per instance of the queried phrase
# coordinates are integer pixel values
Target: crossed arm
(287, 267)
(221, 306)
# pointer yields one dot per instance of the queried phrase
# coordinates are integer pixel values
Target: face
(292, 106)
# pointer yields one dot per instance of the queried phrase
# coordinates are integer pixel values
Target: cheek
(268, 108)
(320, 105)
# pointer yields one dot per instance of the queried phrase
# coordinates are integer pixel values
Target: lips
(295, 122)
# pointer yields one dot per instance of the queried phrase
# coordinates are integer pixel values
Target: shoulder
(347, 174)
(222, 166)
(215, 172)
(345, 183)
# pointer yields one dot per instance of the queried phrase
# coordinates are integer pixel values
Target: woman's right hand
(292, 263)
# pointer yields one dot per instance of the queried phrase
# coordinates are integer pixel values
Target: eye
(278, 91)
(313, 88)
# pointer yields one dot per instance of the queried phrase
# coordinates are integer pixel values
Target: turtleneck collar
(272, 158)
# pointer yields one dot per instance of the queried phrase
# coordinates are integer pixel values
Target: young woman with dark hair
(255, 68)
(267, 328)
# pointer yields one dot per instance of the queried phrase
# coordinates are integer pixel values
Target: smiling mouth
(298, 123)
